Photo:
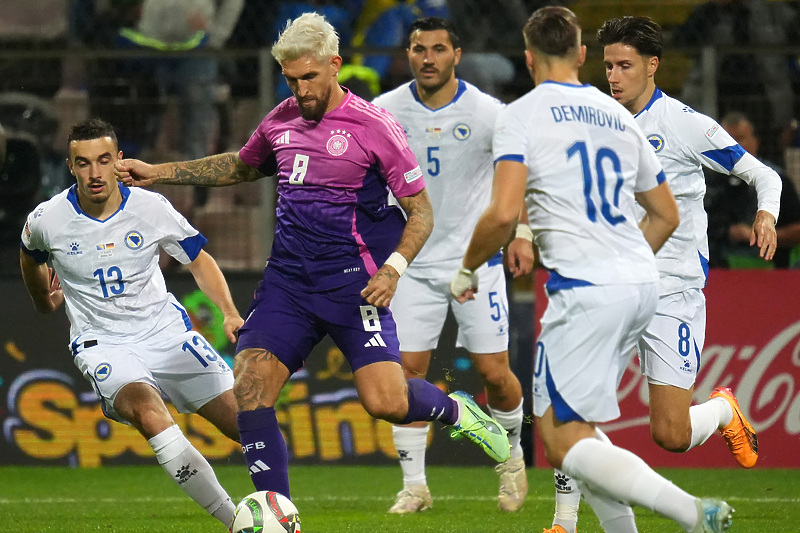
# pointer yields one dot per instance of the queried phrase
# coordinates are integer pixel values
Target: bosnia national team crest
(337, 144)
(461, 132)
(102, 371)
(134, 240)
(656, 141)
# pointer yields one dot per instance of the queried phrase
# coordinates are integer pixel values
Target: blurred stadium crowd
(183, 79)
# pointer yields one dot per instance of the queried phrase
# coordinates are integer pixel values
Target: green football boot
(480, 428)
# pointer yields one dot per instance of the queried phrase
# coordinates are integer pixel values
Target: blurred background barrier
(51, 416)
(191, 83)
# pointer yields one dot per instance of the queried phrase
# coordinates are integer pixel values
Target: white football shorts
(587, 338)
(180, 364)
(420, 308)
(669, 350)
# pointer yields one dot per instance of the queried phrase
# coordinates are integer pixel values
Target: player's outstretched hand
(520, 257)
(135, 173)
(464, 285)
(381, 287)
(231, 325)
(764, 235)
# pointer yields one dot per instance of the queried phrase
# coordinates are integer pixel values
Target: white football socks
(623, 476)
(707, 418)
(190, 470)
(511, 422)
(613, 515)
(568, 498)
(410, 443)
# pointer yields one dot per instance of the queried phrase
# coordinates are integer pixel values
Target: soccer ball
(266, 512)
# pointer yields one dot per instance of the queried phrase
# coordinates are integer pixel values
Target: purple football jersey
(334, 223)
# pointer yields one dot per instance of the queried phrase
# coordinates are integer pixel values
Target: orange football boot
(738, 434)
(557, 529)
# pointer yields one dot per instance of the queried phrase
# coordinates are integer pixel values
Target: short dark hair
(641, 33)
(433, 24)
(553, 30)
(92, 128)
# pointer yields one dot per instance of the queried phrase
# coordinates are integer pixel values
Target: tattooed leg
(259, 378)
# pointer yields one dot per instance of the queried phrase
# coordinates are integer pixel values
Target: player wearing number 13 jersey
(109, 268)
(130, 338)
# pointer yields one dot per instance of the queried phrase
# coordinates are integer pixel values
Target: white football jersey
(109, 269)
(453, 145)
(685, 141)
(586, 157)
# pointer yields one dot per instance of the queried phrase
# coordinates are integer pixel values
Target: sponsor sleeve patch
(710, 133)
(413, 175)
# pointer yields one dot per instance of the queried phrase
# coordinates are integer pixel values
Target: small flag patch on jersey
(107, 246)
(433, 133)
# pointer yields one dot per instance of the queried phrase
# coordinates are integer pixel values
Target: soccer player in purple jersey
(338, 251)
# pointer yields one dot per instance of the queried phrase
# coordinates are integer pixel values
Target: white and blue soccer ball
(266, 512)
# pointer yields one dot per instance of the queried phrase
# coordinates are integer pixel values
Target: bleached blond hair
(307, 35)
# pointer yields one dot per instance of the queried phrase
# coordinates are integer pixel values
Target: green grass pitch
(355, 499)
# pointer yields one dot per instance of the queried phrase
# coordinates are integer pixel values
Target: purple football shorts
(288, 322)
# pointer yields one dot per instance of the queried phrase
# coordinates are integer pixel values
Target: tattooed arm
(212, 171)
(419, 211)
(418, 208)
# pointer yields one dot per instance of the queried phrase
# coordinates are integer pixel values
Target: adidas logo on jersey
(283, 139)
(376, 340)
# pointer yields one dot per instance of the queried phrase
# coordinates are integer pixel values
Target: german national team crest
(656, 141)
(461, 132)
(134, 240)
(337, 144)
